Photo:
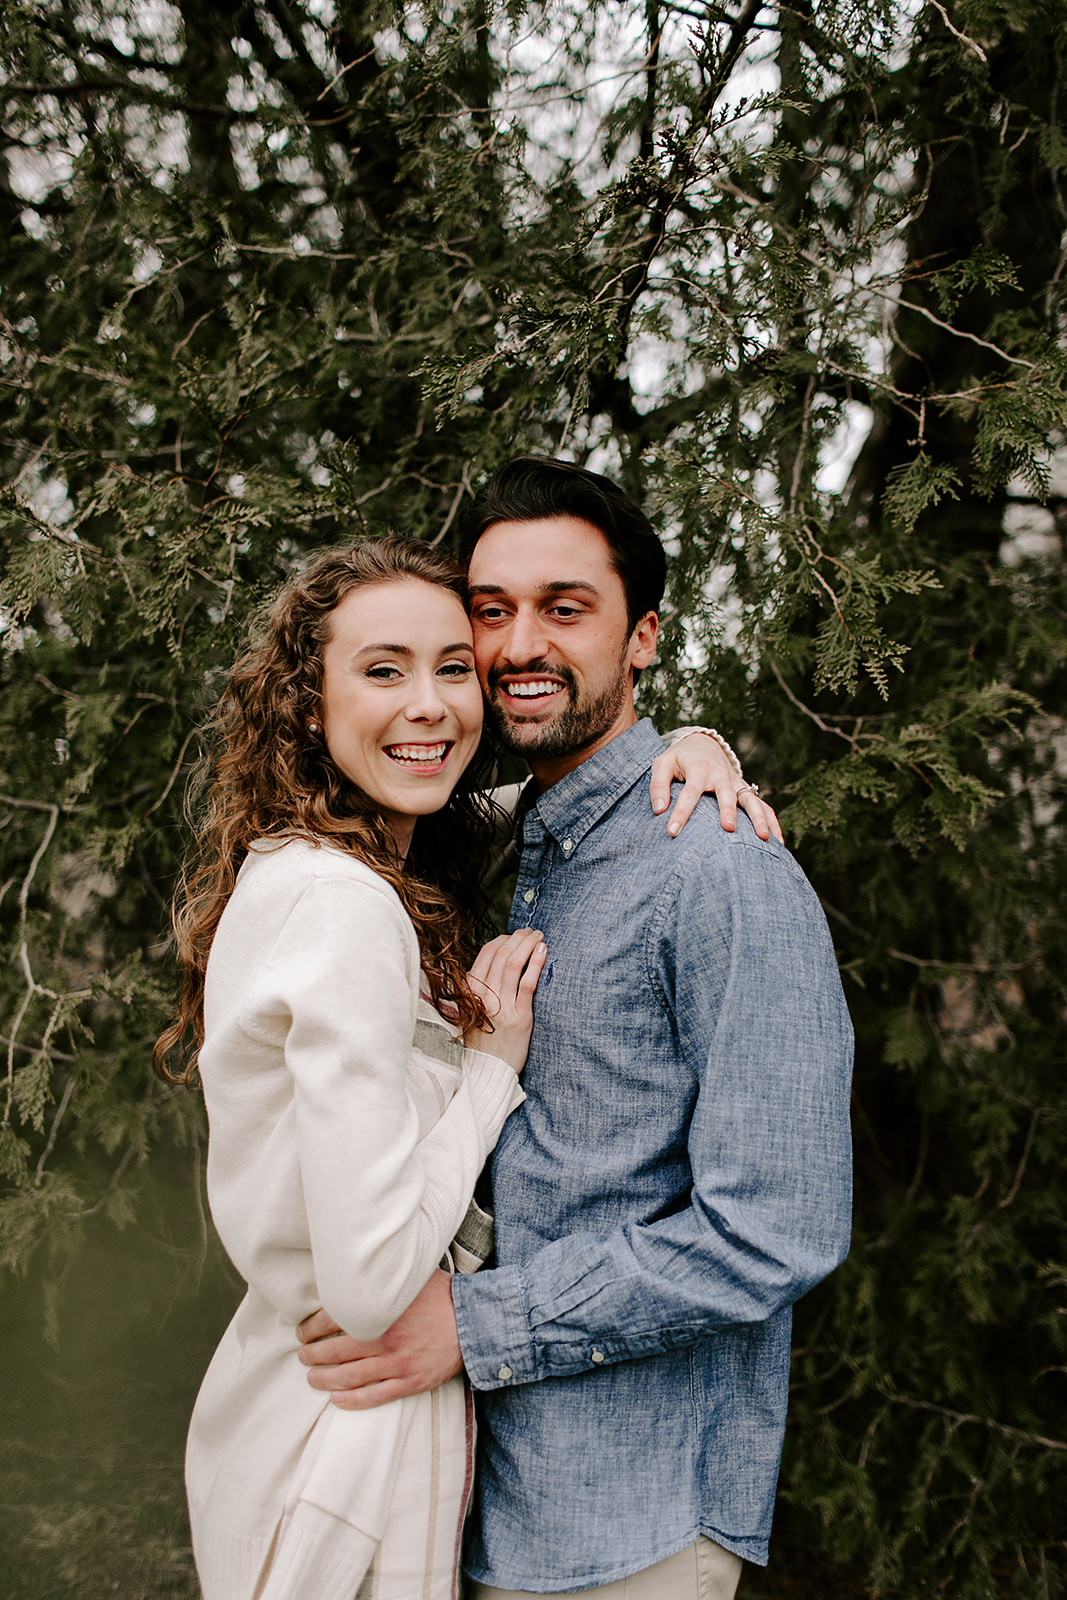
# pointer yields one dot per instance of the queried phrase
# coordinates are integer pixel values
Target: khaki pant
(702, 1571)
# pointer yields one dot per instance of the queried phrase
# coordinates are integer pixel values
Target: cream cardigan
(348, 1126)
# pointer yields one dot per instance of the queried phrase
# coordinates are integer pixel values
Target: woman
(352, 1101)
(355, 1074)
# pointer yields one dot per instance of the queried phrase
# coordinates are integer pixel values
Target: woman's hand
(705, 769)
(504, 977)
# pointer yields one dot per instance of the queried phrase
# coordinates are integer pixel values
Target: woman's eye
(457, 669)
(383, 673)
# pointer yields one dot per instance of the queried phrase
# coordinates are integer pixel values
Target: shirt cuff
(495, 1086)
(493, 1322)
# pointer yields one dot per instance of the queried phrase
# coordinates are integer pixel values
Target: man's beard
(580, 723)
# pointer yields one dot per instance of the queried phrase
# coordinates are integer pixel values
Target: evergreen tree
(276, 272)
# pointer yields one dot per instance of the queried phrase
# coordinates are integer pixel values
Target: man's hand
(419, 1352)
(706, 770)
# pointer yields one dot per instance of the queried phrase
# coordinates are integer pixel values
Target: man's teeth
(523, 691)
(426, 753)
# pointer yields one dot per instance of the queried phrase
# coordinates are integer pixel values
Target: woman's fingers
(696, 785)
(702, 767)
(484, 959)
(503, 965)
(505, 977)
(518, 950)
(533, 969)
(509, 961)
(763, 817)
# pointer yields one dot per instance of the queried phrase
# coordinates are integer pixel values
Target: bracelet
(712, 733)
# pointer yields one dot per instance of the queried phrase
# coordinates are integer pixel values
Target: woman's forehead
(400, 610)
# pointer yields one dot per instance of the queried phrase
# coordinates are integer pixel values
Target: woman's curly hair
(264, 777)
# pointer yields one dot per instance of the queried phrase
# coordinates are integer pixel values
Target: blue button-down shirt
(678, 1175)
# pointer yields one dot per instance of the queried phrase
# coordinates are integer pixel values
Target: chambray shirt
(678, 1175)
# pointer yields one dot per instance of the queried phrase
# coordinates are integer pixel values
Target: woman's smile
(427, 757)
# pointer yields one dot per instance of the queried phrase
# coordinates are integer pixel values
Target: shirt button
(528, 896)
(598, 1355)
(568, 845)
(505, 1373)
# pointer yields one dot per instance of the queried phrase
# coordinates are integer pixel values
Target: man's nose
(527, 639)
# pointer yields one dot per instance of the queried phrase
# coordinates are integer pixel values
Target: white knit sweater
(348, 1126)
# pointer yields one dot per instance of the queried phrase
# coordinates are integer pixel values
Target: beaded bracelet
(712, 733)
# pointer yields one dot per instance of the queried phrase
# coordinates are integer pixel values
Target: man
(679, 1173)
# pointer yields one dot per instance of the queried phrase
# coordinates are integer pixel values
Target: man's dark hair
(533, 487)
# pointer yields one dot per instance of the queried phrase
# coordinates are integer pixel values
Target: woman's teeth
(426, 754)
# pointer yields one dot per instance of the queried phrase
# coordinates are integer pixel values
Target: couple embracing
(670, 1158)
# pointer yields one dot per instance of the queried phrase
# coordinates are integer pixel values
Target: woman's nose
(425, 703)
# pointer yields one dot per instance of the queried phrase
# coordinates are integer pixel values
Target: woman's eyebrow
(406, 650)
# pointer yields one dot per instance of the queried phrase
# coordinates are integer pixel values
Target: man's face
(554, 651)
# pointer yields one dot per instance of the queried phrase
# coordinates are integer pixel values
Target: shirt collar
(578, 801)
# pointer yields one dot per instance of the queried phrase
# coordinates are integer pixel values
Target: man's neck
(548, 770)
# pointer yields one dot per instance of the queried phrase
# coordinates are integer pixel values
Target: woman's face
(401, 706)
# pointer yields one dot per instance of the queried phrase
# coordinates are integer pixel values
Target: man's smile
(532, 692)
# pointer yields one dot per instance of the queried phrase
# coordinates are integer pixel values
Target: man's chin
(544, 741)
(528, 737)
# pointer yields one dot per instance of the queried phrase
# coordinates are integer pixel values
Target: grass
(92, 1500)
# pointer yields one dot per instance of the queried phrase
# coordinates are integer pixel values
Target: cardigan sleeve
(381, 1206)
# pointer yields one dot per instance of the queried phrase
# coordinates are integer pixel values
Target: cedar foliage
(275, 272)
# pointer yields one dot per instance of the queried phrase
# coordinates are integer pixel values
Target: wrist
(716, 737)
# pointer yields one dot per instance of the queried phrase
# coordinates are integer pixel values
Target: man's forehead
(548, 555)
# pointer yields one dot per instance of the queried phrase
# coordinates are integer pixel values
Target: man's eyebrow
(568, 586)
(560, 586)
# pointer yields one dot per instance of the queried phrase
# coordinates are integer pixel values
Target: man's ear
(643, 641)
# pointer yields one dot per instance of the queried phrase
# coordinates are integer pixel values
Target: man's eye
(490, 614)
(566, 612)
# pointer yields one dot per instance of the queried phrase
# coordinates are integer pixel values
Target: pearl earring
(313, 727)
